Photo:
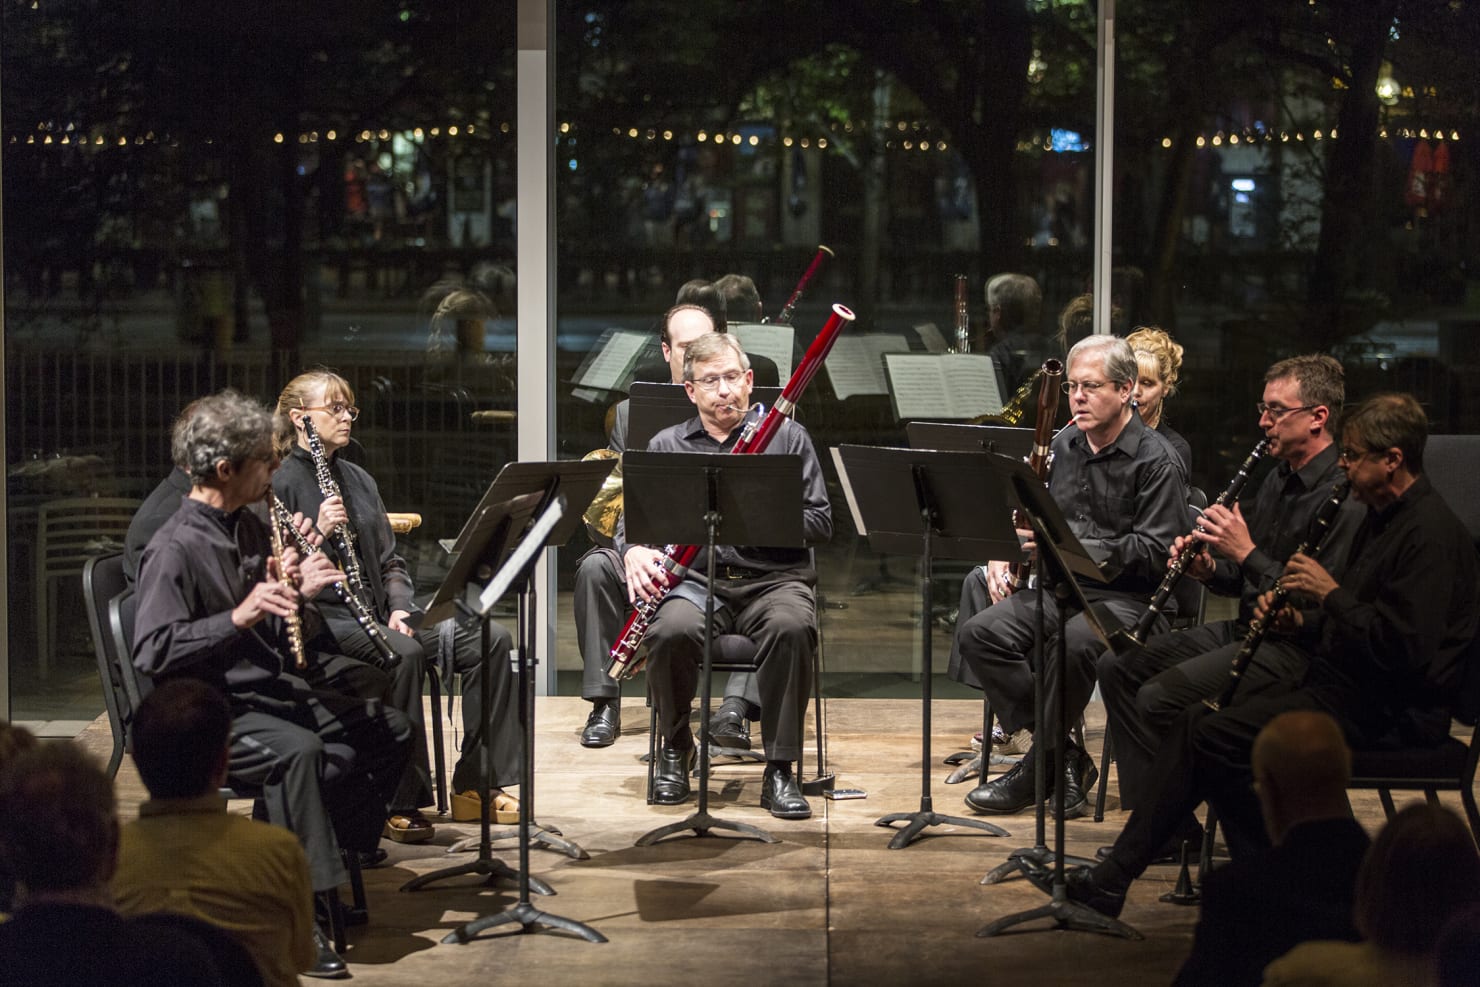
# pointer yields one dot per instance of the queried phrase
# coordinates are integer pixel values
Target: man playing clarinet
(1145, 689)
(766, 594)
(1121, 487)
(1388, 646)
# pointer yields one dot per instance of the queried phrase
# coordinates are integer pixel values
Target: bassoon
(623, 662)
(783, 318)
(1125, 640)
(963, 316)
(1259, 628)
(1048, 409)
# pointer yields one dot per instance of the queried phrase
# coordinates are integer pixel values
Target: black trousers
(995, 647)
(326, 758)
(1146, 690)
(453, 645)
(601, 610)
(776, 611)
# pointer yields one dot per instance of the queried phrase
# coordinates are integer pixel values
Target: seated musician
(766, 594)
(1387, 648)
(213, 605)
(1158, 368)
(1146, 689)
(326, 399)
(1121, 487)
(601, 599)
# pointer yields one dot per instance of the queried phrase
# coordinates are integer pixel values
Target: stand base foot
(919, 820)
(1031, 858)
(489, 867)
(543, 837)
(820, 784)
(701, 823)
(1066, 915)
(529, 919)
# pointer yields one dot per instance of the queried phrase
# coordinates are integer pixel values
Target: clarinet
(1260, 627)
(343, 537)
(1038, 459)
(294, 621)
(362, 614)
(784, 317)
(623, 661)
(1122, 640)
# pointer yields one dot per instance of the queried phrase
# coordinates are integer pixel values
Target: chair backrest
(121, 623)
(1452, 464)
(234, 962)
(102, 580)
(69, 532)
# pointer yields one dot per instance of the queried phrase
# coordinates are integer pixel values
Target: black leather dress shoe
(730, 729)
(603, 726)
(671, 781)
(372, 858)
(327, 965)
(1005, 794)
(780, 793)
(1079, 777)
(1080, 886)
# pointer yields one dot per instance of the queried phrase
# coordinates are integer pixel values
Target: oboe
(783, 318)
(1123, 640)
(1260, 626)
(294, 621)
(343, 536)
(622, 662)
(357, 607)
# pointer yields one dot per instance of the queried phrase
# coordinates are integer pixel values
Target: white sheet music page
(767, 340)
(855, 364)
(612, 359)
(971, 380)
(949, 386)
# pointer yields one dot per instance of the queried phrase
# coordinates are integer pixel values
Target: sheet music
(931, 337)
(612, 359)
(532, 542)
(855, 364)
(955, 386)
(767, 340)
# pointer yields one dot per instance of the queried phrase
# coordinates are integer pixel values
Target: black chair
(102, 580)
(234, 963)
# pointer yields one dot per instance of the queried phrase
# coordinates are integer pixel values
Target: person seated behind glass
(1159, 366)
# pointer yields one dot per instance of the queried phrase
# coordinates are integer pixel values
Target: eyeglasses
(1353, 455)
(1275, 412)
(1087, 386)
(712, 381)
(336, 409)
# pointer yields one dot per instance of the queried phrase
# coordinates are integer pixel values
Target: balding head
(1301, 766)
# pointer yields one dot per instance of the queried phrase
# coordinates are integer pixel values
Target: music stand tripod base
(1066, 914)
(1024, 860)
(918, 821)
(528, 917)
(490, 867)
(546, 837)
(701, 823)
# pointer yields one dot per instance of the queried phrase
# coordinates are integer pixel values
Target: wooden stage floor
(830, 904)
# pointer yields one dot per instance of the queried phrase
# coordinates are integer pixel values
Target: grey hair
(227, 426)
(1120, 361)
(1019, 298)
(708, 347)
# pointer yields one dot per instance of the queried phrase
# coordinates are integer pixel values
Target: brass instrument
(1325, 517)
(606, 509)
(294, 621)
(1123, 640)
(1016, 407)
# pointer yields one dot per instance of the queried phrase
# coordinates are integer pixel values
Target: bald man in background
(1257, 908)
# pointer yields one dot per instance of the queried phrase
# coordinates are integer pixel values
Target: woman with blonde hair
(1159, 367)
(326, 399)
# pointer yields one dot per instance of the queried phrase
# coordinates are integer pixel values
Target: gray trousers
(601, 610)
(1146, 690)
(779, 613)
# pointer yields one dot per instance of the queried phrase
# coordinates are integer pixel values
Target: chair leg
(439, 751)
(652, 765)
(1472, 812)
(1205, 858)
(1106, 756)
(335, 914)
(1386, 797)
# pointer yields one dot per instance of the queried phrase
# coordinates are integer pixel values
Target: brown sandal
(468, 807)
(408, 829)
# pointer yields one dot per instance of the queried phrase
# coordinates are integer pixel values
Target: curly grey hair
(227, 426)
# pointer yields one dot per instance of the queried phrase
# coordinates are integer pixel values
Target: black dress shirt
(1279, 516)
(385, 574)
(1394, 634)
(1126, 503)
(791, 439)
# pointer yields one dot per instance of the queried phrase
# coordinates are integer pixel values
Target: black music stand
(1004, 440)
(943, 504)
(1060, 556)
(714, 499)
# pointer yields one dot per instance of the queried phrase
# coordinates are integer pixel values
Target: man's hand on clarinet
(1226, 532)
(999, 586)
(1306, 576)
(1199, 566)
(1287, 620)
(645, 573)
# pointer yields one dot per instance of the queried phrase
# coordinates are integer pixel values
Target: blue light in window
(1065, 140)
